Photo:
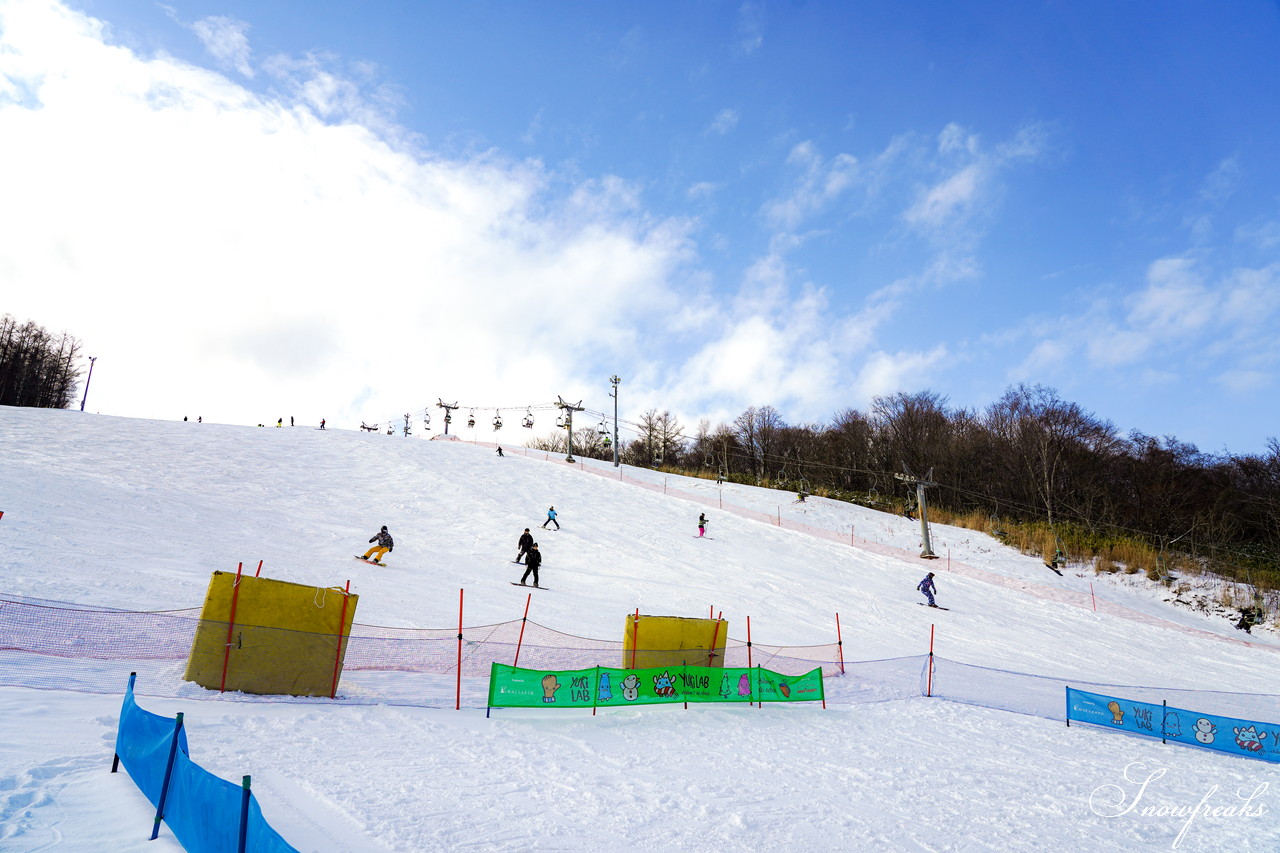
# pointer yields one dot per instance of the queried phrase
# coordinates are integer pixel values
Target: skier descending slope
(533, 560)
(378, 551)
(926, 586)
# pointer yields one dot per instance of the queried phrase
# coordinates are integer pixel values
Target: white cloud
(947, 199)
(818, 183)
(244, 257)
(884, 373)
(724, 122)
(227, 41)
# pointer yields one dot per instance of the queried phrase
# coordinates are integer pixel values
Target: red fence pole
(259, 571)
(458, 705)
(231, 625)
(715, 635)
(1092, 597)
(342, 623)
(928, 691)
(523, 620)
(839, 645)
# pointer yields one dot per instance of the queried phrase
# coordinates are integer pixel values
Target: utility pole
(448, 409)
(92, 359)
(614, 380)
(569, 409)
(406, 424)
(921, 485)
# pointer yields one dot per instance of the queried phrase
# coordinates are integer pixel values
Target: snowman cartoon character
(631, 688)
(1205, 730)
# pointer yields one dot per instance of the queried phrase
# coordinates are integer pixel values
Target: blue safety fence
(1233, 736)
(206, 814)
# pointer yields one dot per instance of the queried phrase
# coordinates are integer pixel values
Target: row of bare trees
(37, 368)
(1029, 456)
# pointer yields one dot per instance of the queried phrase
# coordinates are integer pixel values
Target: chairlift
(559, 421)
(603, 430)
(527, 422)
(608, 442)
(471, 418)
(497, 421)
(448, 418)
(426, 421)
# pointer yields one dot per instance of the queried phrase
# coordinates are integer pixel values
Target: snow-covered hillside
(119, 513)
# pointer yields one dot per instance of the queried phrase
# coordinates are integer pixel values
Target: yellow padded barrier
(284, 639)
(653, 641)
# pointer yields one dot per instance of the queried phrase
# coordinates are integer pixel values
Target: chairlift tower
(569, 409)
(615, 381)
(448, 412)
(407, 431)
(921, 485)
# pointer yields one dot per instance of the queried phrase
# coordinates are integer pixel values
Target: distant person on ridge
(551, 519)
(322, 423)
(525, 543)
(499, 451)
(702, 524)
(279, 423)
(926, 586)
(384, 546)
(535, 560)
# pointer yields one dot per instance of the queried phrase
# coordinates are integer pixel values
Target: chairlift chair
(497, 421)
(426, 421)
(527, 423)
(471, 418)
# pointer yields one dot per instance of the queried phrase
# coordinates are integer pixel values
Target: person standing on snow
(551, 518)
(534, 560)
(926, 586)
(702, 524)
(384, 546)
(322, 423)
(525, 543)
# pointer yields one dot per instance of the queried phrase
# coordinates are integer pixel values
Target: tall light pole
(89, 379)
(614, 380)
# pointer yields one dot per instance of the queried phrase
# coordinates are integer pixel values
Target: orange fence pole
(231, 625)
(839, 645)
(342, 622)
(523, 620)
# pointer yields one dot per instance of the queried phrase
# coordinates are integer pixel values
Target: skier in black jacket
(526, 541)
(384, 546)
(534, 560)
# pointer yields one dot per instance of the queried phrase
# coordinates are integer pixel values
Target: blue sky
(348, 210)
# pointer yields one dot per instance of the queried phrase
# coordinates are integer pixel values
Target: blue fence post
(244, 815)
(168, 773)
(1068, 714)
(115, 756)
(1164, 715)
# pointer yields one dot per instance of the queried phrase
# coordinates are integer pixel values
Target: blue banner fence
(1248, 738)
(206, 814)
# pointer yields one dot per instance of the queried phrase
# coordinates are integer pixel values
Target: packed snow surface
(109, 512)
